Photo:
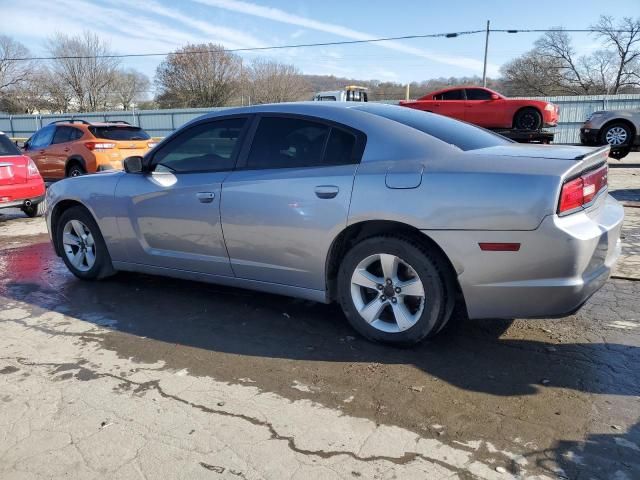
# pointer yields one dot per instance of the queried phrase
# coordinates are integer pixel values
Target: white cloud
(278, 15)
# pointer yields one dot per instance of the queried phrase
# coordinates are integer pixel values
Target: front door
(172, 214)
(288, 199)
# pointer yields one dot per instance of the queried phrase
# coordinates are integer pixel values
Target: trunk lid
(13, 169)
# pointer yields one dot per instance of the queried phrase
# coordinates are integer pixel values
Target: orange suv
(69, 148)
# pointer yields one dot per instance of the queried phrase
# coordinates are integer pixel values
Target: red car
(21, 185)
(488, 109)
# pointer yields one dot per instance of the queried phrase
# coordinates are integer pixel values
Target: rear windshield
(462, 135)
(7, 147)
(119, 133)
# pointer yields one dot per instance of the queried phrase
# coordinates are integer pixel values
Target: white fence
(159, 123)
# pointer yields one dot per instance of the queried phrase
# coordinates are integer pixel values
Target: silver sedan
(392, 212)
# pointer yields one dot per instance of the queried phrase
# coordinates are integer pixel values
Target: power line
(319, 44)
(253, 49)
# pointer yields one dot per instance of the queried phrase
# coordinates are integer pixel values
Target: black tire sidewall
(524, 112)
(434, 311)
(103, 260)
(75, 166)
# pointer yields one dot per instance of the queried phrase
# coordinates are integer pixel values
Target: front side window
(478, 94)
(205, 147)
(450, 95)
(42, 138)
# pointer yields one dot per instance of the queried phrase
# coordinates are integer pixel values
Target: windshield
(460, 134)
(7, 147)
(119, 133)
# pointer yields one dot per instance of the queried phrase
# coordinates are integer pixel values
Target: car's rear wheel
(32, 210)
(528, 119)
(82, 246)
(393, 290)
(75, 170)
(616, 135)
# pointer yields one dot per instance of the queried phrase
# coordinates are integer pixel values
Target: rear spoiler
(596, 153)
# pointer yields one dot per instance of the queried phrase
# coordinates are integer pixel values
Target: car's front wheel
(616, 135)
(394, 290)
(528, 119)
(82, 246)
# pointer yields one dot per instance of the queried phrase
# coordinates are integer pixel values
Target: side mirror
(133, 164)
(495, 96)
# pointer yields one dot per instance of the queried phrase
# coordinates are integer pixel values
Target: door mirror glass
(495, 96)
(133, 164)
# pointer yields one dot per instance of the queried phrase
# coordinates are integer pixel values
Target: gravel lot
(146, 377)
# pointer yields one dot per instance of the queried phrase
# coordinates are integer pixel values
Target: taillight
(152, 144)
(32, 170)
(99, 145)
(582, 190)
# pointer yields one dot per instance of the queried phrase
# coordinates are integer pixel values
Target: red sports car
(21, 185)
(488, 109)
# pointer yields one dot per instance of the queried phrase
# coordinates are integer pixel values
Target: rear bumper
(589, 136)
(559, 266)
(15, 195)
(20, 203)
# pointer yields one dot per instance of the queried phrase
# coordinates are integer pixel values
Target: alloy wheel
(79, 245)
(616, 136)
(387, 293)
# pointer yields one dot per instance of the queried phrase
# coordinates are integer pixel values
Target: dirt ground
(147, 377)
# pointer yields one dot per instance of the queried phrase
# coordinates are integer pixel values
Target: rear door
(450, 103)
(288, 198)
(172, 214)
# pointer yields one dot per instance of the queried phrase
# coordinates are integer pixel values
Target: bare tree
(624, 38)
(272, 82)
(13, 72)
(203, 75)
(129, 87)
(82, 63)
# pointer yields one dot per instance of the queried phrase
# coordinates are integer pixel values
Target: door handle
(67, 149)
(41, 152)
(326, 191)
(206, 197)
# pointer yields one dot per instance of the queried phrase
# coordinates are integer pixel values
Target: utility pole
(486, 50)
(406, 97)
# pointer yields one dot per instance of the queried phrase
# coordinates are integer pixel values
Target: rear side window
(459, 134)
(119, 133)
(62, 135)
(7, 147)
(450, 95)
(282, 142)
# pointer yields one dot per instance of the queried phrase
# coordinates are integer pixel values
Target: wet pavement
(140, 377)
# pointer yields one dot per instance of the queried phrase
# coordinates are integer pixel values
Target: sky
(158, 26)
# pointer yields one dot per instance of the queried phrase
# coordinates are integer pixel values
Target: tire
(34, 210)
(620, 152)
(93, 244)
(616, 134)
(427, 315)
(528, 119)
(75, 170)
